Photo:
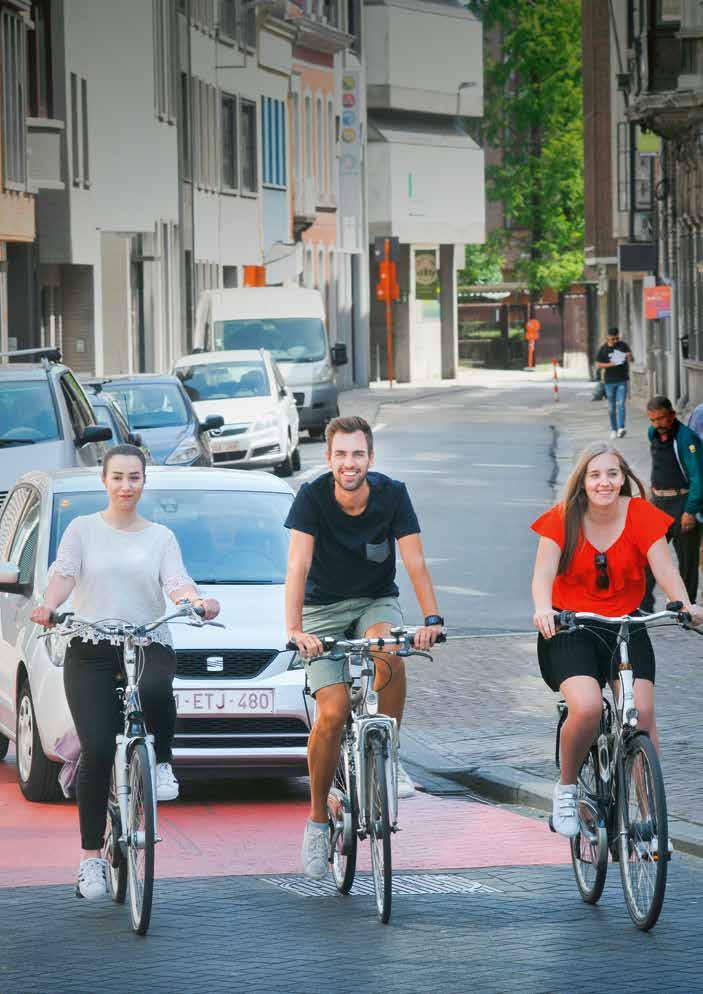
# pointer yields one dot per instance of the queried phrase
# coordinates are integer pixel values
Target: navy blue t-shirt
(353, 555)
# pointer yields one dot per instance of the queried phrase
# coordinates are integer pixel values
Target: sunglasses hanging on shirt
(602, 575)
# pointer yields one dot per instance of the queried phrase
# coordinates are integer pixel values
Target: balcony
(667, 84)
(44, 167)
(319, 24)
(304, 204)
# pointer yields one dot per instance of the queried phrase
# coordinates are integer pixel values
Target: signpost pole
(389, 316)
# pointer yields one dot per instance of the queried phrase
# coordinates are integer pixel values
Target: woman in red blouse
(592, 554)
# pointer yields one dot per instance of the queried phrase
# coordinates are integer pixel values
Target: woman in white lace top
(117, 564)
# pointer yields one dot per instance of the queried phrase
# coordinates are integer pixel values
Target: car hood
(162, 441)
(254, 616)
(234, 410)
(299, 373)
(18, 459)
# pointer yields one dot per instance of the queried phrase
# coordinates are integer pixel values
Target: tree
(533, 116)
(482, 264)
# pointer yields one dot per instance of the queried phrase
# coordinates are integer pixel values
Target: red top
(576, 589)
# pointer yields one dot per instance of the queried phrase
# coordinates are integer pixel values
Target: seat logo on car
(215, 664)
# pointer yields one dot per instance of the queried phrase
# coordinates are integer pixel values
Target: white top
(120, 574)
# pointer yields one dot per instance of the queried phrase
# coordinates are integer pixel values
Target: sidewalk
(486, 723)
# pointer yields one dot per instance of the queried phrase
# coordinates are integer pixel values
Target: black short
(593, 653)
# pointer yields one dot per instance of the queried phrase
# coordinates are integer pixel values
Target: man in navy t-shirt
(341, 576)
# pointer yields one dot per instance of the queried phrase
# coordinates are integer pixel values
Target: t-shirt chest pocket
(378, 552)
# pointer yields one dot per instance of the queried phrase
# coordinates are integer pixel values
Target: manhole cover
(403, 883)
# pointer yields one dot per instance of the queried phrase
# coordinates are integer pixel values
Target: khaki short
(358, 615)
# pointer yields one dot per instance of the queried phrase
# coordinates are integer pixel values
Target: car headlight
(266, 421)
(323, 374)
(187, 451)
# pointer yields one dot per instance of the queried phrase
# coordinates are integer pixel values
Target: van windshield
(287, 339)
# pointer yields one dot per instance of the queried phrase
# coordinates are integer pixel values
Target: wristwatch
(434, 619)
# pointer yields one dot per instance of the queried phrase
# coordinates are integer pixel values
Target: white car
(239, 691)
(247, 389)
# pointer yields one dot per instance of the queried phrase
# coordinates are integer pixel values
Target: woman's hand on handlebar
(308, 645)
(43, 616)
(544, 621)
(210, 606)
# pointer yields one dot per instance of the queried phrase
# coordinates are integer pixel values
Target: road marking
(462, 591)
(313, 471)
(503, 465)
(403, 883)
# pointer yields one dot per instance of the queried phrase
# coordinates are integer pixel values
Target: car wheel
(4, 746)
(37, 775)
(295, 458)
(318, 433)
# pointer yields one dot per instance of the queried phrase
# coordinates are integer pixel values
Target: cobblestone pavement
(523, 931)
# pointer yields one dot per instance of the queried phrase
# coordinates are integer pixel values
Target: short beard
(350, 489)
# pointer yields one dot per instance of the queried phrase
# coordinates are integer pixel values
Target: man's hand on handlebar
(696, 612)
(308, 645)
(425, 637)
(544, 622)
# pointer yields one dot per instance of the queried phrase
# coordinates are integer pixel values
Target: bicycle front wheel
(344, 821)
(379, 825)
(589, 849)
(140, 839)
(644, 832)
(112, 850)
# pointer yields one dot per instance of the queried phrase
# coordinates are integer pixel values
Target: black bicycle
(620, 788)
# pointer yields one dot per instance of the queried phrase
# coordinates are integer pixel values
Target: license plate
(226, 446)
(191, 702)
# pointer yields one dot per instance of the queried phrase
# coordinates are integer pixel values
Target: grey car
(108, 414)
(46, 421)
(159, 409)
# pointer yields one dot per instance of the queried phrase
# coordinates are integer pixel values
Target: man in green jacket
(677, 488)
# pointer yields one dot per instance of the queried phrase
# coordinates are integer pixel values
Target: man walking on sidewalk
(614, 357)
(677, 488)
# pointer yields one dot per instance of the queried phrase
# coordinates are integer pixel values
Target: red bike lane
(240, 828)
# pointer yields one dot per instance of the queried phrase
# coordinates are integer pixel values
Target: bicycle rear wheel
(643, 832)
(589, 849)
(112, 850)
(344, 821)
(379, 825)
(140, 835)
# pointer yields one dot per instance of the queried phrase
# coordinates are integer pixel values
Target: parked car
(46, 421)
(290, 323)
(247, 389)
(158, 408)
(239, 691)
(108, 414)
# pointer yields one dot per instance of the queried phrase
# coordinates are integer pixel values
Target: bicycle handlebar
(112, 627)
(568, 619)
(399, 638)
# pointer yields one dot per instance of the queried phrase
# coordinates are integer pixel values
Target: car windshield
(150, 405)
(224, 380)
(225, 536)
(27, 413)
(287, 339)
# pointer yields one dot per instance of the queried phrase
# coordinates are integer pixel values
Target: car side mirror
(133, 439)
(94, 433)
(212, 422)
(10, 579)
(339, 354)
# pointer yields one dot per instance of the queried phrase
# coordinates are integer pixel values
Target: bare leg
(390, 680)
(584, 700)
(644, 702)
(323, 745)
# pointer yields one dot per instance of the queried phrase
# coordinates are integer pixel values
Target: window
(308, 137)
(204, 123)
(27, 410)
(78, 410)
(250, 23)
(320, 145)
(297, 146)
(623, 167)
(24, 544)
(228, 19)
(250, 181)
(164, 62)
(230, 277)
(79, 131)
(185, 127)
(274, 141)
(14, 97)
(11, 514)
(202, 14)
(229, 142)
(39, 61)
(331, 156)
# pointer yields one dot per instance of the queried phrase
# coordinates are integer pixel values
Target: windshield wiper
(16, 441)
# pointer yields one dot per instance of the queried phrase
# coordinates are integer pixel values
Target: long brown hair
(575, 501)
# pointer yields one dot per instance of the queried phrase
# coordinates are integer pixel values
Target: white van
(289, 322)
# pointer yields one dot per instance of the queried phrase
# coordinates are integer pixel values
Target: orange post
(556, 381)
(387, 290)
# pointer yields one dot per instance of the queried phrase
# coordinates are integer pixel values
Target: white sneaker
(406, 788)
(92, 879)
(613, 433)
(565, 818)
(315, 851)
(166, 783)
(621, 432)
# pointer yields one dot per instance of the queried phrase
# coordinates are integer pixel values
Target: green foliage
(483, 264)
(533, 115)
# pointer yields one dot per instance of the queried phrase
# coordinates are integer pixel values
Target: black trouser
(687, 546)
(91, 675)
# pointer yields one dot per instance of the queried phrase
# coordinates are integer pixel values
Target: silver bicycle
(363, 800)
(131, 832)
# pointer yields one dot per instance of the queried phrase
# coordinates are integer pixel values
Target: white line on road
(462, 591)
(503, 465)
(313, 471)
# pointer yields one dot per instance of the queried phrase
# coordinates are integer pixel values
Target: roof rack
(47, 354)
(95, 383)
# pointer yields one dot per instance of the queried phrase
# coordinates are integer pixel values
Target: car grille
(264, 450)
(241, 665)
(240, 733)
(299, 399)
(227, 456)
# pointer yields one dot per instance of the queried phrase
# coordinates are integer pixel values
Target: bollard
(556, 382)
